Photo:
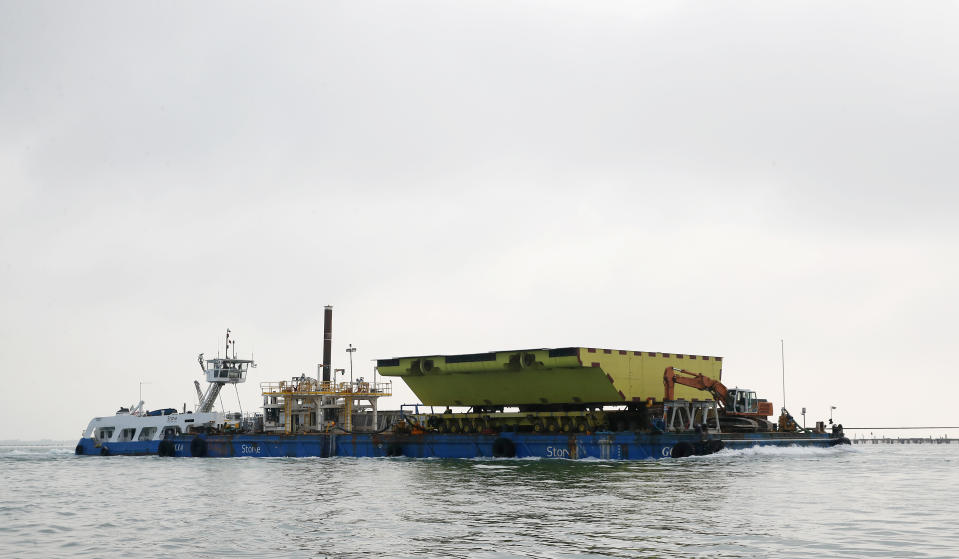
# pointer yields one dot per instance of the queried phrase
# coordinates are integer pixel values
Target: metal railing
(309, 386)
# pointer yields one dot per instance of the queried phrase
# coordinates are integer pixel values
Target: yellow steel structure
(310, 387)
(575, 375)
(306, 388)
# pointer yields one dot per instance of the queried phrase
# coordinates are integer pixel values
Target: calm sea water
(860, 501)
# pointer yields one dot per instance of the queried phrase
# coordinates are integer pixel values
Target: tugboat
(136, 431)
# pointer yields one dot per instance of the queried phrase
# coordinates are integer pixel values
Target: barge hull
(603, 445)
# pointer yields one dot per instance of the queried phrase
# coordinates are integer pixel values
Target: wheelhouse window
(170, 431)
(127, 434)
(104, 433)
(147, 433)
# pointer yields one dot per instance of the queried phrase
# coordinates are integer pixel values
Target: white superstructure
(127, 427)
(134, 424)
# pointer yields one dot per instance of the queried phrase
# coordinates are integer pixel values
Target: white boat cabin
(127, 426)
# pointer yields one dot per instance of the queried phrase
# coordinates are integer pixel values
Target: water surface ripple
(872, 501)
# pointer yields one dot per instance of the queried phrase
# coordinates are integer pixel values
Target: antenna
(782, 357)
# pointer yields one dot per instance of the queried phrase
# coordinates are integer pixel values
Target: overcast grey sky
(705, 177)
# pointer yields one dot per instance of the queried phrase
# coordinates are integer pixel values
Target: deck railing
(308, 386)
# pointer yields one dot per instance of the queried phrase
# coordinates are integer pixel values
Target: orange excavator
(733, 403)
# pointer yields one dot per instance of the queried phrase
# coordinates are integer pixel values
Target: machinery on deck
(738, 409)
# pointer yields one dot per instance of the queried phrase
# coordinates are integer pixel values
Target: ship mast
(221, 371)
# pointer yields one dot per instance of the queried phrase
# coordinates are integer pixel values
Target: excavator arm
(749, 407)
(673, 376)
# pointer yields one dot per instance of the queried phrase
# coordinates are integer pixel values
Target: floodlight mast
(351, 350)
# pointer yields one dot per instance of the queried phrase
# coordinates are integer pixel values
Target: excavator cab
(742, 401)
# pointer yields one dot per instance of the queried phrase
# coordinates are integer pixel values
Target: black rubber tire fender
(198, 447)
(682, 450)
(715, 446)
(166, 448)
(78, 450)
(104, 451)
(504, 448)
(394, 449)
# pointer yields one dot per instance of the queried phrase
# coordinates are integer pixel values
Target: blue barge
(603, 446)
(566, 403)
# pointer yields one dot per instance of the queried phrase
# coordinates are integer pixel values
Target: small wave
(495, 467)
(22, 452)
(497, 458)
(791, 451)
(36, 451)
(605, 462)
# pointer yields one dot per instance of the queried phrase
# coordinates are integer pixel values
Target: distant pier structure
(903, 440)
(872, 438)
